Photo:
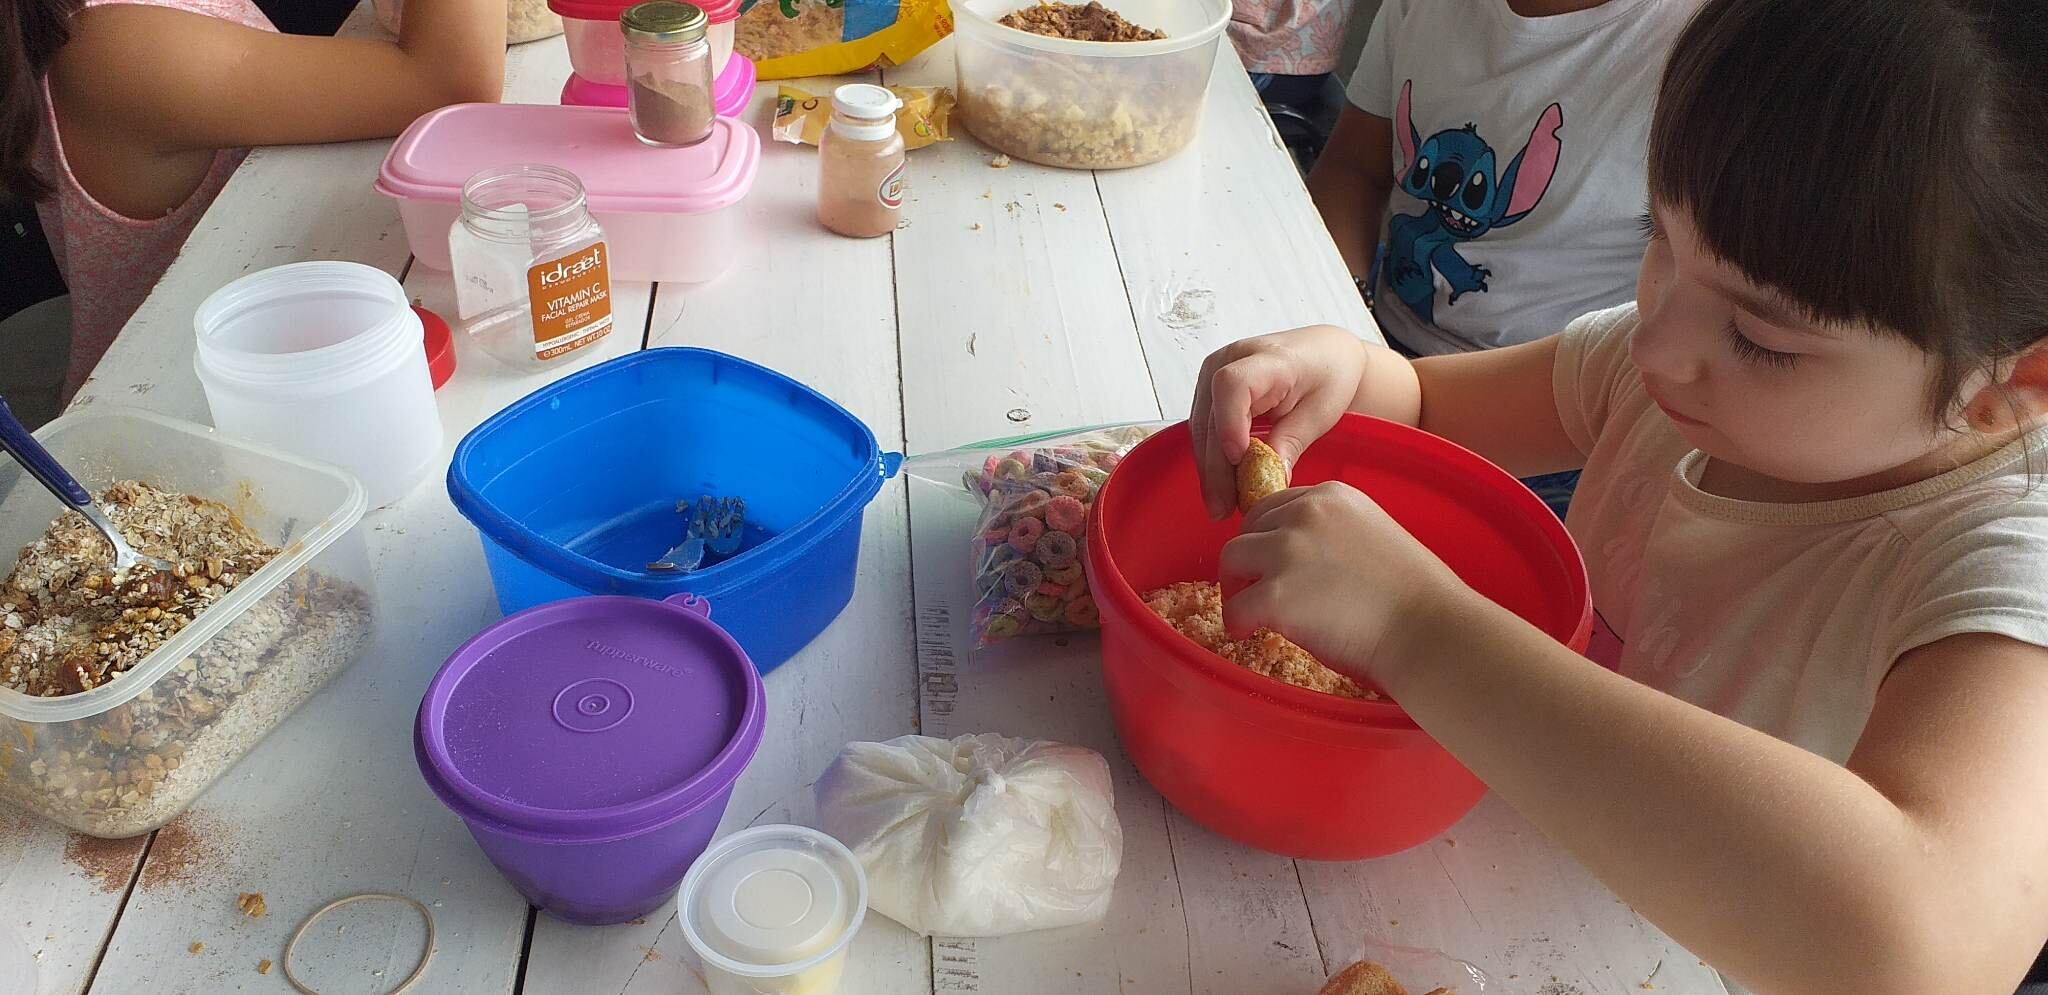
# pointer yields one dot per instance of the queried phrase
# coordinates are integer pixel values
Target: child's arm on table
(145, 94)
(1919, 868)
(1499, 404)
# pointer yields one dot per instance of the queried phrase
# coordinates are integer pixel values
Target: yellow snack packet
(789, 39)
(926, 115)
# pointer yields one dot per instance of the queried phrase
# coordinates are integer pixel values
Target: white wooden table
(1015, 299)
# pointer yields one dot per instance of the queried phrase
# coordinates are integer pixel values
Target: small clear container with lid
(860, 163)
(532, 270)
(772, 911)
(668, 72)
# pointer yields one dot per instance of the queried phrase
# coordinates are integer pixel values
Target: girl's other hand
(1329, 569)
(1303, 380)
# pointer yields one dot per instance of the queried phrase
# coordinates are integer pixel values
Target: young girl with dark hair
(1812, 511)
(122, 119)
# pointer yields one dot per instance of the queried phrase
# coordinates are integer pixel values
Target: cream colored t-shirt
(1784, 617)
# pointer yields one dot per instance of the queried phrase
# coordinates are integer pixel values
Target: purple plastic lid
(592, 718)
(730, 92)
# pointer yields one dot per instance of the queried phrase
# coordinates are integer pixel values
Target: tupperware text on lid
(441, 150)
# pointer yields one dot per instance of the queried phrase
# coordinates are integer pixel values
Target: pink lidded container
(597, 48)
(670, 214)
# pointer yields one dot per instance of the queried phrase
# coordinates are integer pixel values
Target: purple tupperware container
(591, 745)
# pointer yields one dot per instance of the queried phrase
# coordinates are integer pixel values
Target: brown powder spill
(109, 863)
(13, 828)
(187, 848)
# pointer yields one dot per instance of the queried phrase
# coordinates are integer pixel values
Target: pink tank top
(111, 262)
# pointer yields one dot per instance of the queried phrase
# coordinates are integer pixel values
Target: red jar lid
(440, 346)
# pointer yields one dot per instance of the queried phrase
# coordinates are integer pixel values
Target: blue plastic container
(574, 490)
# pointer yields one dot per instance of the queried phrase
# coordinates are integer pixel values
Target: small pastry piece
(1363, 978)
(1260, 475)
(1368, 978)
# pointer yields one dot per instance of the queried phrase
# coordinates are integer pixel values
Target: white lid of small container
(865, 102)
(443, 149)
(772, 901)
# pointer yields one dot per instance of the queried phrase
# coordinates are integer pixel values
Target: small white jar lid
(773, 900)
(873, 106)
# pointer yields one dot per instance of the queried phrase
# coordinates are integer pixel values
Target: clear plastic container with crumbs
(129, 755)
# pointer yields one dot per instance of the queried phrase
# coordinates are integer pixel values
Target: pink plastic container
(597, 50)
(669, 214)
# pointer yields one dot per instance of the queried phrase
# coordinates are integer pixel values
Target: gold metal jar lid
(664, 22)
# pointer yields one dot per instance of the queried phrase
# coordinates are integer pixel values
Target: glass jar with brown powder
(668, 72)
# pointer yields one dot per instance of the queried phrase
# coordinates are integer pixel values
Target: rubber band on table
(426, 950)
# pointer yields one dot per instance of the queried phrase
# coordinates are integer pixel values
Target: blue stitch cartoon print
(1455, 174)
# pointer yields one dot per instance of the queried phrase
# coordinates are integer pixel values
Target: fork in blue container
(716, 527)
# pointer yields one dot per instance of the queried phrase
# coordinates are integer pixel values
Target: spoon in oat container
(15, 438)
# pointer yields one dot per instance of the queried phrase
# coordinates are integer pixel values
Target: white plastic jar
(772, 910)
(326, 360)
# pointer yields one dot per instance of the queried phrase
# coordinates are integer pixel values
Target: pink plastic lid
(443, 149)
(730, 93)
(715, 11)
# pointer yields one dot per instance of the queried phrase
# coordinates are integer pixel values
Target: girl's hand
(1304, 380)
(1327, 568)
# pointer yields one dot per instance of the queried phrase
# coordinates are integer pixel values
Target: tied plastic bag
(924, 118)
(1036, 492)
(792, 38)
(982, 835)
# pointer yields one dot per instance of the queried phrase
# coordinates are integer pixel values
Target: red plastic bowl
(1278, 767)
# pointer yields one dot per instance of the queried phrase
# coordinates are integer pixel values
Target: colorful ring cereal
(1082, 611)
(1025, 534)
(1066, 514)
(1022, 578)
(1055, 549)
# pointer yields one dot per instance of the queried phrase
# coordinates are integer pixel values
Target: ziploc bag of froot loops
(1035, 492)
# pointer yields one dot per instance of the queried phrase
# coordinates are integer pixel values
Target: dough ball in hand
(1260, 475)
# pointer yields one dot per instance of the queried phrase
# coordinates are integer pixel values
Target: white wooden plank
(1496, 893)
(60, 892)
(821, 309)
(1011, 312)
(1222, 242)
(1059, 349)
(1045, 688)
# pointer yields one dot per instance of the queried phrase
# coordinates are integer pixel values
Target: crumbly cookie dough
(1195, 610)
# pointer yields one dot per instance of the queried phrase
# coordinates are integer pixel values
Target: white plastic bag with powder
(978, 836)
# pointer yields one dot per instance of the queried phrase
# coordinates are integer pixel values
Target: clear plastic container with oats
(120, 705)
(1083, 104)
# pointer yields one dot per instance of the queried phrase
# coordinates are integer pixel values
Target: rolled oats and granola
(67, 627)
(1082, 111)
